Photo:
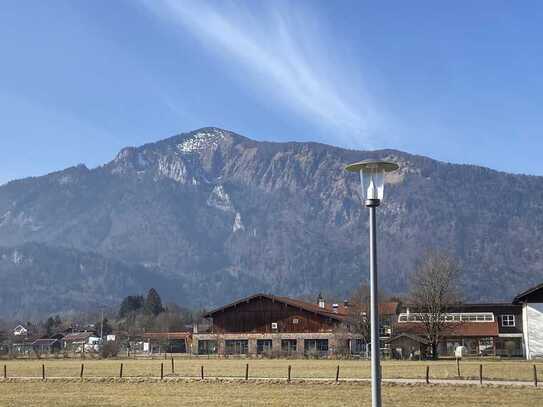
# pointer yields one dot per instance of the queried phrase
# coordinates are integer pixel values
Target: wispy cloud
(285, 59)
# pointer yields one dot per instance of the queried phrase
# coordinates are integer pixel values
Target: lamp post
(372, 180)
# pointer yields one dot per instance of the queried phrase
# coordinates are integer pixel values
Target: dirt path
(297, 380)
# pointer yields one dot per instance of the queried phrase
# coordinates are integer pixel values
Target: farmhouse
(273, 325)
(531, 302)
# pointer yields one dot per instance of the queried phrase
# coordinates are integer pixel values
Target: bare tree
(359, 315)
(433, 290)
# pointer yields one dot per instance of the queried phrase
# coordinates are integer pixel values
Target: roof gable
(533, 294)
(413, 337)
(327, 311)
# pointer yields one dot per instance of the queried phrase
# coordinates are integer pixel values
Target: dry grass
(165, 394)
(272, 368)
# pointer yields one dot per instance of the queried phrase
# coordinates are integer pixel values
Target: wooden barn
(264, 324)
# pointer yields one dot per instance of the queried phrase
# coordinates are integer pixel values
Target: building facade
(482, 329)
(264, 324)
(531, 302)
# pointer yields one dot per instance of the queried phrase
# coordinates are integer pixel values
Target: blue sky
(456, 81)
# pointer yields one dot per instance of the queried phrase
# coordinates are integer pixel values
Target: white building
(532, 320)
(20, 330)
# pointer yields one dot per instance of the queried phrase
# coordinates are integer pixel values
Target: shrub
(109, 350)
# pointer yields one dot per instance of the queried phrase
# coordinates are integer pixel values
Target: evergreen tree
(131, 305)
(153, 303)
(52, 325)
(108, 329)
(49, 326)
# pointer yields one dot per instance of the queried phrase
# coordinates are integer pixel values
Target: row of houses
(265, 324)
(24, 342)
(268, 324)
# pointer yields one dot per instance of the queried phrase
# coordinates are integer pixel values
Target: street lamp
(372, 180)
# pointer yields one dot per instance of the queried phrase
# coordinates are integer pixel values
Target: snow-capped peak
(202, 140)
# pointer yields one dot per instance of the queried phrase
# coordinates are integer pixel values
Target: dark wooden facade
(260, 313)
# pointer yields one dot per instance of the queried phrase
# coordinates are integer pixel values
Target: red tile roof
(78, 336)
(166, 335)
(453, 328)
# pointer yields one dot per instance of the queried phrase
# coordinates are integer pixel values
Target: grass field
(250, 394)
(272, 368)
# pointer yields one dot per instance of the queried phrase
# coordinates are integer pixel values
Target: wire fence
(285, 370)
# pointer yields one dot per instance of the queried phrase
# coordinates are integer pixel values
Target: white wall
(532, 315)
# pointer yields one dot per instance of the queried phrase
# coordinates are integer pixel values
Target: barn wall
(258, 314)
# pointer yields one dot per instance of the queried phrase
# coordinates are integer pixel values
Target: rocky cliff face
(220, 216)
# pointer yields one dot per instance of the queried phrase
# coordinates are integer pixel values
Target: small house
(81, 342)
(20, 330)
(45, 346)
(408, 346)
(170, 342)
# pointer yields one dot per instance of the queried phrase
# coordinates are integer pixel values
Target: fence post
(458, 367)
(121, 372)
(289, 369)
(202, 372)
(427, 374)
(81, 372)
(337, 374)
(247, 371)
(5, 372)
(480, 374)
(173, 367)
(43, 372)
(535, 375)
(162, 371)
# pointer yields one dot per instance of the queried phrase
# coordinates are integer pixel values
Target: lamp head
(372, 178)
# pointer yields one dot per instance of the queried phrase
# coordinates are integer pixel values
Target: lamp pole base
(372, 203)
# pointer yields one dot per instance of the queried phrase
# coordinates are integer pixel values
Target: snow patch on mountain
(65, 179)
(220, 199)
(21, 220)
(206, 140)
(16, 257)
(238, 224)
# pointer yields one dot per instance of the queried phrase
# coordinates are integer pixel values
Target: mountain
(39, 279)
(216, 216)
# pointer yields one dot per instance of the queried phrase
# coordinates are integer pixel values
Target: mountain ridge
(226, 215)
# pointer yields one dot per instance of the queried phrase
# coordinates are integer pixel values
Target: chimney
(335, 307)
(345, 303)
(320, 301)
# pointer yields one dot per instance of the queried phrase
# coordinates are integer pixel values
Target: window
(274, 325)
(206, 347)
(288, 345)
(508, 320)
(295, 321)
(263, 346)
(236, 346)
(316, 345)
(358, 346)
(450, 317)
